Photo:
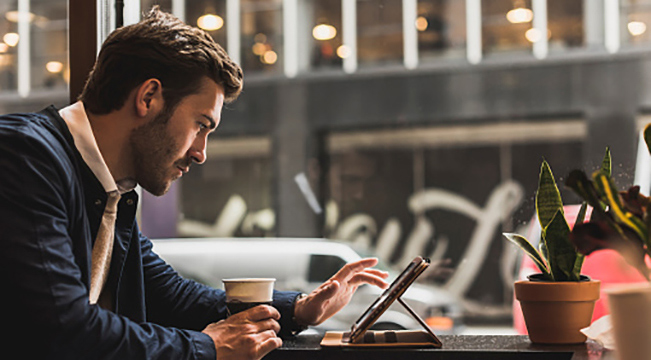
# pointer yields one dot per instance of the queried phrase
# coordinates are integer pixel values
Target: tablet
(393, 292)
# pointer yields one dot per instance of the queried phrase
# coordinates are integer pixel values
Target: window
(505, 25)
(565, 24)
(441, 26)
(325, 34)
(379, 32)
(262, 42)
(635, 18)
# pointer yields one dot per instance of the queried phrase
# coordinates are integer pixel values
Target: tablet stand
(419, 319)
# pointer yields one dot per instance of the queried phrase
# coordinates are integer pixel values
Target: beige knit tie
(103, 248)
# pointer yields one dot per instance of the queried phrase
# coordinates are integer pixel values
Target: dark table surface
(484, 347)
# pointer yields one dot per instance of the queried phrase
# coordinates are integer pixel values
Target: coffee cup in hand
(245, 293)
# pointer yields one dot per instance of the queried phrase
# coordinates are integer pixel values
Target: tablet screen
(397, 288)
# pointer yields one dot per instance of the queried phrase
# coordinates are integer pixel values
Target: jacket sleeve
(45, 303)
(175, 301)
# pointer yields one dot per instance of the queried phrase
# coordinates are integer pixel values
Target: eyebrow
(213, 124)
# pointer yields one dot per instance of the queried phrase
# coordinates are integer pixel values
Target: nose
(198, 150)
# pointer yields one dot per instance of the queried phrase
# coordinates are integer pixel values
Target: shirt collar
(79, 125)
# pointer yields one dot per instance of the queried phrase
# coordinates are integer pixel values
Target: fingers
(352, 268)
(260, 312)
(268, 341)
(368, 278)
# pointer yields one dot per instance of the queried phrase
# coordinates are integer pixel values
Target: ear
(149, 97)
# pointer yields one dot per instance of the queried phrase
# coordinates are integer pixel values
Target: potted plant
(620, 221)
(558, 302)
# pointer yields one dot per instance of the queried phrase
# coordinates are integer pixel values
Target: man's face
(164, 148)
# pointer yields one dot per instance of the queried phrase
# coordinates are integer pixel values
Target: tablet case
(386, 338)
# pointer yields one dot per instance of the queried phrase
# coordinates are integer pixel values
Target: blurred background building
(420, 125)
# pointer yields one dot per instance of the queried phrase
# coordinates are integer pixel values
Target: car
(302, 265)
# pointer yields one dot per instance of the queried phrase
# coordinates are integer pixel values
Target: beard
(154, 152)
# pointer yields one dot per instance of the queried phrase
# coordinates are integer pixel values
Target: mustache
(183, 163)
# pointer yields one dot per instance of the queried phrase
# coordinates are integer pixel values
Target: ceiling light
(15, 16)
(343, 51)
(421, 23)
(324, 32)
(270, 57)
(210, 22)
(636, 28)
(3, 48)
(533, 35)
(519, 15)
(54, 67)
(11, 39)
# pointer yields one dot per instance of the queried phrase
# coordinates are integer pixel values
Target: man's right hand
(249, 335)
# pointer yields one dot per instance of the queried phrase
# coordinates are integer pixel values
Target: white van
(302, 265)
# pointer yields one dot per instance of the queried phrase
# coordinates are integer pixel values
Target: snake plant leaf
(647, 137)
(562, 255)
(606, 163)
(578, 181)
(548, 198)
(525, 245)
(581, 216)
(607, 187)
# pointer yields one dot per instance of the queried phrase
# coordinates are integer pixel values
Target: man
(79, 280)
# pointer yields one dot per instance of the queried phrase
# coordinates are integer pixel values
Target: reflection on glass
(441, 26)
(209, 16)
(326, 33)
(48, 48)
(505, 26)
(261, 35)
(635, 22)
(379, 32)
(565, 24)
(8, 42)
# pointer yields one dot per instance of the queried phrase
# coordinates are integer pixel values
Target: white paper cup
(245, 293)
(630, 311)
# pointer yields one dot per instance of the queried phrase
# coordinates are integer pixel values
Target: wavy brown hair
(163, 47)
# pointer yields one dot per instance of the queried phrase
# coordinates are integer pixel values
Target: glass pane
(504, 26)
(379, 32)
(208, 15)
(49, 49)
(635, 18)
(441, 28)
(165, 5)
(565, 24)
(325, 33)
(8, 47)
(262, 38)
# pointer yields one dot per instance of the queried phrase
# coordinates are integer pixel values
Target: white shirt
(79, 126)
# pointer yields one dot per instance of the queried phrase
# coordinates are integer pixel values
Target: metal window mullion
(290, 37)
(233, 29)
(540, 47)
(473, 31)
(349, 33)
(24, 43)
(611, 25)
(132, 12)
(178, 9)
(410, 33)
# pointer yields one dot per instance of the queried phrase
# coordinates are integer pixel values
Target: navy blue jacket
(51, 205)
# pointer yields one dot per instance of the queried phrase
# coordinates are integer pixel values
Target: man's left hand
(335, 293)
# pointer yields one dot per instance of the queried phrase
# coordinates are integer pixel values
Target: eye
(202, 126)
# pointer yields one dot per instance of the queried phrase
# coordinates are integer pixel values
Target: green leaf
(548, 198)
(578, 181)
(562, 255)
(647, 137)
(525, 245)
(578, 264)
(606, 163)
(607, 187)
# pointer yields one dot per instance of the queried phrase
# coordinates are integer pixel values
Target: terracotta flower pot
(554, 312)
